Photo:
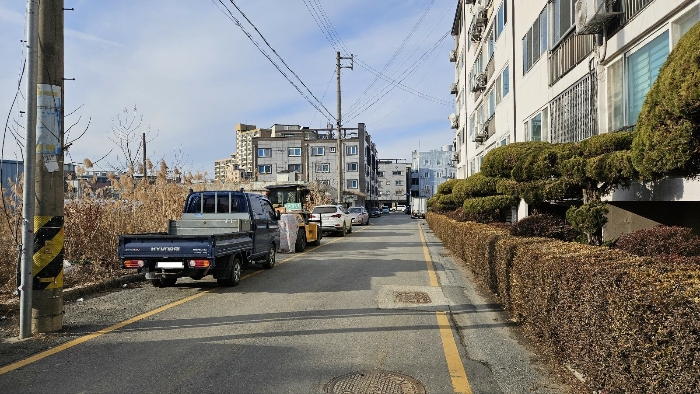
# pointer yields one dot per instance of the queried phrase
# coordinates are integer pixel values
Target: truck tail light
(199, 263)
(134, 263)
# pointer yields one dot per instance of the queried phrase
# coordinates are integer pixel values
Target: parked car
(359, 215)
(375, 212)
(400, 208)
(333, 218)
(385, 209)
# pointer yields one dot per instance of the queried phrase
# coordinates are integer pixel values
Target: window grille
(574, 114)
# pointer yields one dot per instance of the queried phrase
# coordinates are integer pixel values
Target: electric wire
(393, 57)
(407, 73)
(328, 115)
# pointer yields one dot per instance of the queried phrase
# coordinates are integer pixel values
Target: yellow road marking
(460, 383)
(428, 260)
(85, 338)
(78, 341)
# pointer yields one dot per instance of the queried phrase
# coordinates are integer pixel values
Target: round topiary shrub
(488, 209)
(544, 225)
(668, 127)
(661, 240)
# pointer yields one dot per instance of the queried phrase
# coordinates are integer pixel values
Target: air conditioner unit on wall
(453, 56)
(476, 33)
(454, 121)
(593, 15)
(479, 82)
(469, 1)
(480, 133)
(453, 88)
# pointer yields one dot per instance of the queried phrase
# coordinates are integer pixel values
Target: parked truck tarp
(220, 232)
(419, 205)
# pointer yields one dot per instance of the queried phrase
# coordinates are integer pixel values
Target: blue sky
(192, 74)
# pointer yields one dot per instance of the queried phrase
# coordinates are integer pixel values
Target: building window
(351, 166)
(399, 173)
(506, 81)
(265, 169)
(323, 167)
(351, 150)
(318, 151)
(501, 18)
(536, 127)
(380, 174)
(398, 183)
(642, 70)
(352, 183)
(294, 152)
(331, 149)
(535, 41)
(264, 152)
(294, 168)
(563, 18)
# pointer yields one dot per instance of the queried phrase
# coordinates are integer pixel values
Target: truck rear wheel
(300, 245)
(234, 277)
(270, 260)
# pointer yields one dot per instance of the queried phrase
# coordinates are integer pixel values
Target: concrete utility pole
(339, 145)
(26, 286)
(47, 298)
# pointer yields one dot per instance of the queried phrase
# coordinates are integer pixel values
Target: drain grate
(412, 297)
(374, 382)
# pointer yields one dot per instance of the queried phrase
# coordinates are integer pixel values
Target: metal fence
(568, 54)
(574, 113)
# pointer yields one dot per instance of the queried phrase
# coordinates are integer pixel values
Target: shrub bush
(488, 209)
(668, 138)
(661, 240)
(628, 324)
(544, 225)
(589, 218)
(500, 161)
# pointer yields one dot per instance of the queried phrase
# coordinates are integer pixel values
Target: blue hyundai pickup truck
(220, 232)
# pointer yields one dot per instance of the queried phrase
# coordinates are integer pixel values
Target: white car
(359, 215)
(333, 218)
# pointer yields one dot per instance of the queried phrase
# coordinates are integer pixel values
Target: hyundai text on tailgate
(219, 233)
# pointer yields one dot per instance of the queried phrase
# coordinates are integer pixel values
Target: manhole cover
(374, 382)
(412, 297)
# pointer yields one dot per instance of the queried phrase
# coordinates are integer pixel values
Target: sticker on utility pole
(51, 163)
(48, 119)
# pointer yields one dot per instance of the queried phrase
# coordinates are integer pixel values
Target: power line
(393, 57)
(328, 115)
(408, 72)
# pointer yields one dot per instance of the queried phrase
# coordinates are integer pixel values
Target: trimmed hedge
(661, 240)
(544, 225)
(628, 324)
(488, 209)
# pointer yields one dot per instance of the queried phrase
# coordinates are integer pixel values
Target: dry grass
(93, 222)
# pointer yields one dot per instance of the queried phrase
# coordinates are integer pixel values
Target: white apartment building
(430, 169)
(563, 71)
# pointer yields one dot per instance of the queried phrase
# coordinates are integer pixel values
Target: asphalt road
(382, 310)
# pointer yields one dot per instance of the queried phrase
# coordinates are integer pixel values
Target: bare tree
(127, 132)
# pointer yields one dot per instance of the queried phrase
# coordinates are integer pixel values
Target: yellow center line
(428, 260)
(85, 338)
(460, 383)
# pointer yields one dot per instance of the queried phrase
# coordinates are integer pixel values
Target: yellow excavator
(291, 199)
